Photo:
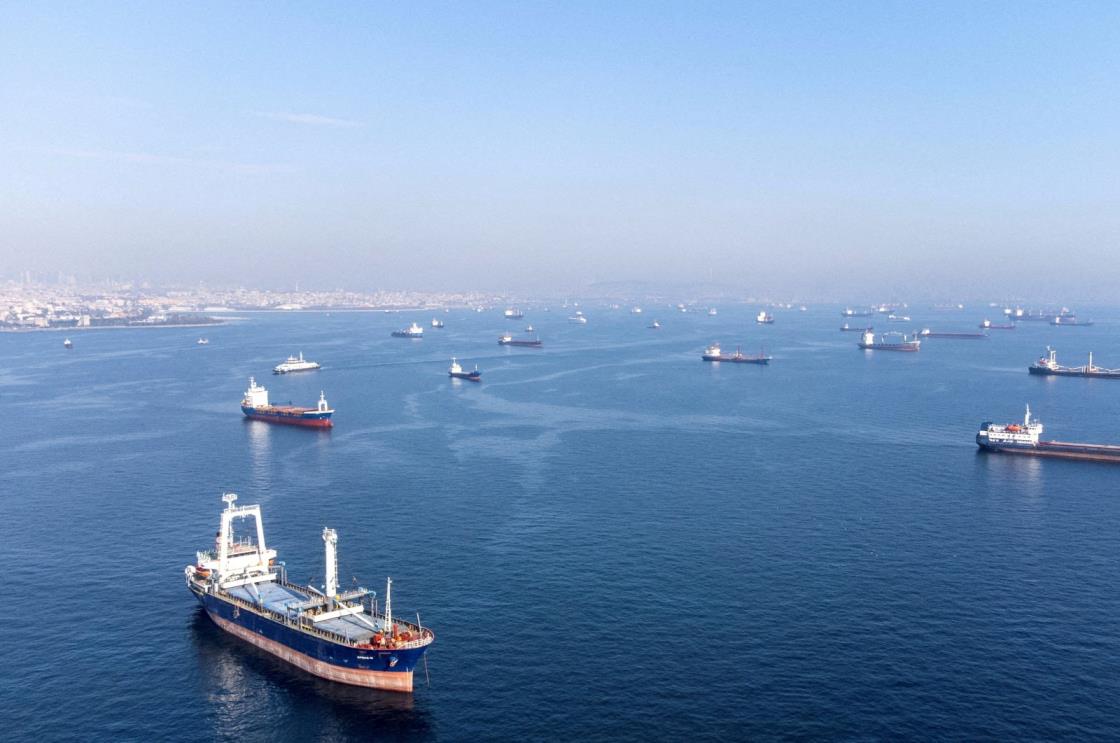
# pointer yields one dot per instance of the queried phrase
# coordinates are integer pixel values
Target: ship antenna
(229, 498)
(1027, 417)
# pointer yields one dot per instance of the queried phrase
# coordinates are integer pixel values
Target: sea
(611, 539)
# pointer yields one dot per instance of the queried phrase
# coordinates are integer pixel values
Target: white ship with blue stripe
(338, 635)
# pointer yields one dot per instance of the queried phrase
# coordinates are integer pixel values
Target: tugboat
(331, 632)
(67, 343)
(514, 314)
(904, 342)
(714, 353)
(255, 406)
(437, 323)
(412, 331)
(457, 372)
(508, 340)
(1014, 438)
(1048, 366)
(764, 318)
(295, 364)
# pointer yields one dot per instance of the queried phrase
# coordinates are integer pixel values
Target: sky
(830, 150)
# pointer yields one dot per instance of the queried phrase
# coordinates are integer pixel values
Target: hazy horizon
(795, 150)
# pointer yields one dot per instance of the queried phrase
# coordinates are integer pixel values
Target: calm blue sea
(610, 538)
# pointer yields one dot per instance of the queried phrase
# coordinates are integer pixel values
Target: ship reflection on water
(251, 693)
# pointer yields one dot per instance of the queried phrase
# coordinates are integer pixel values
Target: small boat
(898, 318)
(67, 343)
(528, 328)
(508, 340)
(764, 318)
(437, 323)
(412, 331)
(203, 341)
(655, 325)
(456, 371)
(636, 311)
(712, 312)
(578, 318)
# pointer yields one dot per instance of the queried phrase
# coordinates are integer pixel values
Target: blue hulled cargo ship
(255, 405)
(337, 635)
(1026, 438)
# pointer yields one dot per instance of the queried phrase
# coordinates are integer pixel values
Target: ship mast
(389, 606)
(330, 544)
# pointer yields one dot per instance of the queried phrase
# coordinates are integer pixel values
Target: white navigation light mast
(389, 606)
(330, 543)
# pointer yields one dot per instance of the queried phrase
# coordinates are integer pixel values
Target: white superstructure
(256, 396)
(295, 364)
(1014, 434)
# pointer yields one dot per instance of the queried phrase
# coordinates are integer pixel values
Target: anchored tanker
(1014, 438)
(255, 405)
(338, 635)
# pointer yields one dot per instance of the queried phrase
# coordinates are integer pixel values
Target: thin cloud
(308, 119)
(148, 158)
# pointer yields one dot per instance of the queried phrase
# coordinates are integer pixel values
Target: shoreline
(18, 331)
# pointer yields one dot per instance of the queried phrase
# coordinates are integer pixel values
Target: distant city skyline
(793, 150)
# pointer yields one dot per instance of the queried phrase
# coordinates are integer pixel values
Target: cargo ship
(1048, 366)
(764, 318)
(295, 364)
(846, 328)
(887, 342)
(715, 353)
(989, 325)
(963, 334)
(1025, 438)
(1065, 320)
(437, 323)
(255, 405)
(849, 312)
(514, 314)
(412, 331)
(340, 635)
(508, 340)
(456, 371)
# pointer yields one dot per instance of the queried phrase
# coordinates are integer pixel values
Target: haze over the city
(793, 149)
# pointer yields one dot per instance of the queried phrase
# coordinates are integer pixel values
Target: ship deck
(279, 598)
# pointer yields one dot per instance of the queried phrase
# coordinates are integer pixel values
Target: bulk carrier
(255, 405)
(715, 353)
(887, 342)
(337, 635)
(1014, 438)
(1048, 366)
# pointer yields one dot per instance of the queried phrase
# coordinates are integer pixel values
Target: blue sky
(817, 149)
